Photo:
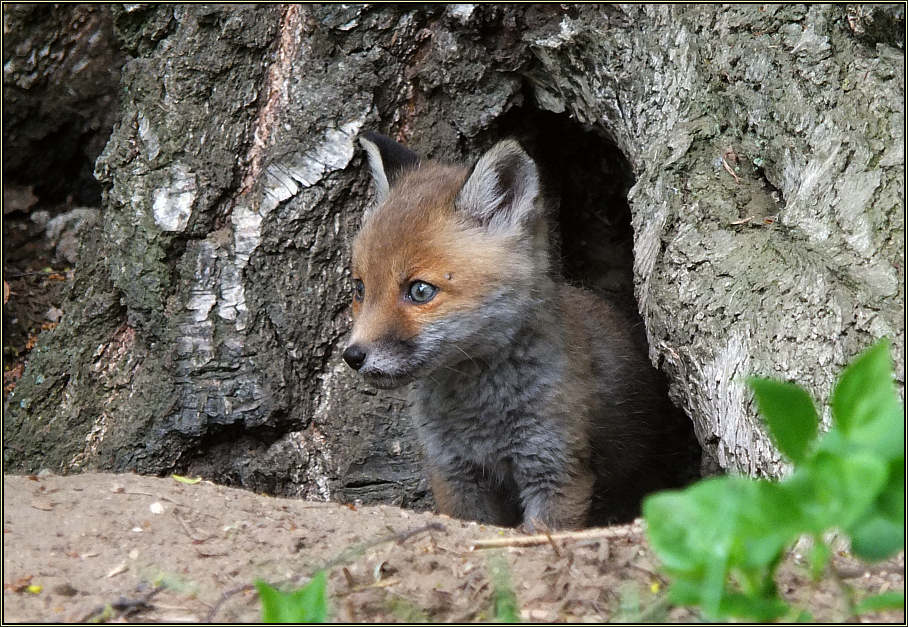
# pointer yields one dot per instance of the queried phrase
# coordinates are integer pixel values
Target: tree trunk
(60, 73)
(761, 146)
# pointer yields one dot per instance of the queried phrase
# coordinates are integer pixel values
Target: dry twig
(224, 598)
(547, 538)
(729, 170)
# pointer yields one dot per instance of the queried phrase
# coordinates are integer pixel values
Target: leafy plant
(504, 600)
(309, 604)
(722, 539)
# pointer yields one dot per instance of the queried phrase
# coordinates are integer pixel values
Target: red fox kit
(533, 402)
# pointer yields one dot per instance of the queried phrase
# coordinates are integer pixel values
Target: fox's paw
(533, 526)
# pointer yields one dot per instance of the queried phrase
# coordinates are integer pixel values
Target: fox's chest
(489, 417)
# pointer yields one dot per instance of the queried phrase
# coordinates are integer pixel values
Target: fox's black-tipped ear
(388, 160)
(502, 190)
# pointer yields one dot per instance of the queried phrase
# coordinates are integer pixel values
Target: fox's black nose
(355, 356)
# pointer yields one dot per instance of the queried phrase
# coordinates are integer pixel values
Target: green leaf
(885, 434)
(880, 602)
(773, 516)
(838, 490)
(891, 502)
(881, 532)
(877, 538)
(865, 394)
(722, 539)
(716, 528)
(684, 524)
(789, 413)
(685, 591)
(752, 608)
(309, 604)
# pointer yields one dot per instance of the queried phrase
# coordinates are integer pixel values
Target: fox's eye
(359, 290)
(421, 292)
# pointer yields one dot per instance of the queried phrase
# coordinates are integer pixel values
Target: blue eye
(359, 290)
(421, 292)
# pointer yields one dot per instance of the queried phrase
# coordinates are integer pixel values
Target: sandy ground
(93, 546)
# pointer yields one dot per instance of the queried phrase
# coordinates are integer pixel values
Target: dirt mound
(94, 546)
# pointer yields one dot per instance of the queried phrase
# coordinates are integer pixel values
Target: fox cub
(534, 404)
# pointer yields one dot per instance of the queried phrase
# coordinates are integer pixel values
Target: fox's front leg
(556, 500)
(466, 492)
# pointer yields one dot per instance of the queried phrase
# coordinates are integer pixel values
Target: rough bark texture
(60, 72)
(204, 331)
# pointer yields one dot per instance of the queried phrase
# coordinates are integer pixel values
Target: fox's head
(446, 263)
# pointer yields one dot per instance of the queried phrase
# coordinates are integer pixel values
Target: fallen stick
(546, 538)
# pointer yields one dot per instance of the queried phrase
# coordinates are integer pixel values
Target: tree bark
(60, 73)
(762, 147)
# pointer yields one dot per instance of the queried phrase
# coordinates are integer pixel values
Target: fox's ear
(388, 160)
(501, 191)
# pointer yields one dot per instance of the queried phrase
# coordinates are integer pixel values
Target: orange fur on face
(418, 235)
